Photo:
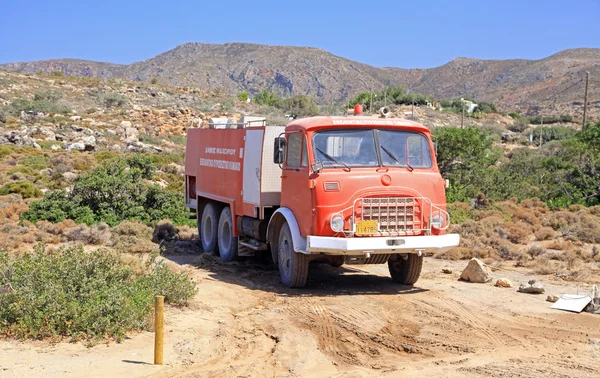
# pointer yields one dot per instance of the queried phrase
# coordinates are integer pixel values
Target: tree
(300, 106)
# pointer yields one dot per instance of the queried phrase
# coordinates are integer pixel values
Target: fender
(299, 241)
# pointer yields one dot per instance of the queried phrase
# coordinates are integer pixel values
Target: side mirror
(317, 167)
(279, 150)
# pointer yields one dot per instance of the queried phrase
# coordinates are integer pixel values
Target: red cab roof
(316, 123)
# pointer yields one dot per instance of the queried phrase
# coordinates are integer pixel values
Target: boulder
(125, 124)
(532, 287)
(476, 271)
(503, 282)
(69, 176)
(552, 298)
(444, 270)
(47, 171)
(76, 146)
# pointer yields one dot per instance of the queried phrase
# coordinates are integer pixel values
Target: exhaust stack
(384, 112)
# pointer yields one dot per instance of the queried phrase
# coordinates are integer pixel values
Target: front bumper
(382, 245)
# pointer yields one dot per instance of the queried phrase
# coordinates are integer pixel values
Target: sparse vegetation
(113, 100)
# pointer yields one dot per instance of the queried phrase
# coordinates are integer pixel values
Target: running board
(247, 248)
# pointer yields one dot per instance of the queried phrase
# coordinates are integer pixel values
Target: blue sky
(406, 34)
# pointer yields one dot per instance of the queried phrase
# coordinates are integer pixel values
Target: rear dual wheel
(216, 231)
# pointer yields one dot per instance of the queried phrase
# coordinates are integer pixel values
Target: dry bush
(461, 253)
(560, 245)
(487, 213)
(164, 231)
(577, 208)
(560, 220)
(188, 233)
(509, 252)
(594, 210)
(542, 265)
(98, 234)
(11, 207)
(545, 233)
(526, 216)
(536, 205)
(132, 237)
(588, 229)
(536, 251)
(507, 207)
(518, 233)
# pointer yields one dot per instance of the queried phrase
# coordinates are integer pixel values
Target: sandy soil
(349, 322)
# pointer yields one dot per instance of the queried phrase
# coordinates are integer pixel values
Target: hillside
(552, 85)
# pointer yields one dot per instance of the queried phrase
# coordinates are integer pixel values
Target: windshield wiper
(332, 159)
(396, 159)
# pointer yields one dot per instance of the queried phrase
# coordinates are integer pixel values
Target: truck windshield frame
(371, 147)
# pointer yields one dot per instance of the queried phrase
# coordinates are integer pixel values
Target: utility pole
(462, 118)
(585, 102)
(371, 104)
(385, 97)
(541, 130)
(413, 110)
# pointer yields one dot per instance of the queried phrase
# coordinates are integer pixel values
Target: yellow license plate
(367, 227)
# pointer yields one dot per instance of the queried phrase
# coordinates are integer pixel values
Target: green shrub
(550, 133)
(265, 97)
(519, 125)
(24, 188)
(113, 100)
(178, 139)
(515, 115)
(82, 295)
(242, 96)
(6, 151)
(154, 80)
(51, 96)
(113, 192)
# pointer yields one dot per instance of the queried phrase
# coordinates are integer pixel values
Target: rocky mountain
(552, 84)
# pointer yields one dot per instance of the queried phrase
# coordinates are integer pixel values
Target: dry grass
(544, 233)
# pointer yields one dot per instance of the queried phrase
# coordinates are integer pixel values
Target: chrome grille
(395, 215)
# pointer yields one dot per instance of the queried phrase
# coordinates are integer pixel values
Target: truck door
(295, 192)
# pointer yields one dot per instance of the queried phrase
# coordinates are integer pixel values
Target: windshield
(371, 148)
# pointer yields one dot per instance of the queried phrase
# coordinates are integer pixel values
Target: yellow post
(159, 328)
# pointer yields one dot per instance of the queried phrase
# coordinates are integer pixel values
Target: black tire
(209, 223)
(293, 266)
(228, 244)
(406, 272)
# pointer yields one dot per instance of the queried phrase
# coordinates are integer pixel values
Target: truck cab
(340, 190)
(361, 190)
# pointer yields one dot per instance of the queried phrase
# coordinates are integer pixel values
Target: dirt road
(350, 322)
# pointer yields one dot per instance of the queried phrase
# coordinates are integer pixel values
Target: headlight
(438, 221)
(337, 223)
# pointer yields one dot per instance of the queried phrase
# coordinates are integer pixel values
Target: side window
(294, 148)
(418, 151)
(304, 154)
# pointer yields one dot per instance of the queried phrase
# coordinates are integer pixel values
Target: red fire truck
(353, 190)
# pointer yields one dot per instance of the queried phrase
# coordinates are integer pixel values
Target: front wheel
(293, 266)
(406, 272)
